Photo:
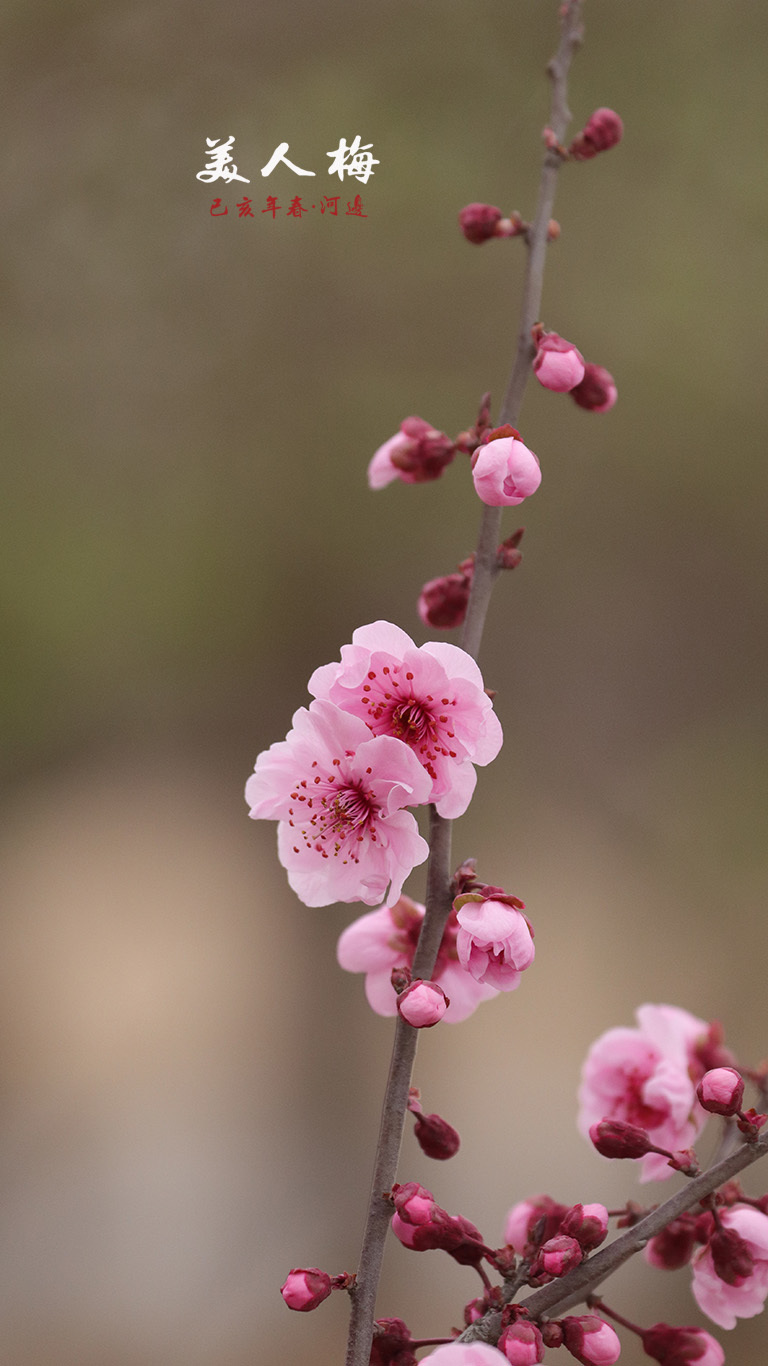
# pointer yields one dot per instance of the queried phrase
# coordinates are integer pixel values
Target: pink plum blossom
(495, 940)
(422, 1004)
(591, 1340)
(305, 1288)
(431, 697)
(386, 938)
(724, 1303)
(337, 793)
(643, 1077)
(415, 454)
(505, 472)
(558, 364)
(467, 1354)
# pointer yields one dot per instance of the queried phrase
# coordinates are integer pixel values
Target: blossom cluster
(392, 726)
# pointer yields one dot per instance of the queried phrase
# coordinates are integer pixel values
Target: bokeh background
(189, 1086)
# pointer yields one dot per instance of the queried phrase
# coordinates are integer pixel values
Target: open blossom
(383, 939)
(643, 1077)
(722, 1302)
(338, 793)
(415, 454)
(495, 939)
(430, 696)
(504, 471)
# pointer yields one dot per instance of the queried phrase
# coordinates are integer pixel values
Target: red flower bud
(613, 1138)
(602, 131)
(597, 391)
(478, 222)
(436, 1137)
(305, 1288)
(682, 1346)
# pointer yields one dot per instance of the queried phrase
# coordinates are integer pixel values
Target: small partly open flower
(495, 940)
(415, 454)
(504, 471)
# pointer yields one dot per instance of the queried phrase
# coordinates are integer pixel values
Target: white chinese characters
(353, 160)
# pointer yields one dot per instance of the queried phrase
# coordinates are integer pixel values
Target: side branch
(572, 1289)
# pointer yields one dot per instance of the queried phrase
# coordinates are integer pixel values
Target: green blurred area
(190, 404)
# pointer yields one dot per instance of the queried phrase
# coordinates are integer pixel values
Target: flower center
(333, 820)
(412, 721)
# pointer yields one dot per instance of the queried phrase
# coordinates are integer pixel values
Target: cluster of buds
(559, 365)
(422, 1225)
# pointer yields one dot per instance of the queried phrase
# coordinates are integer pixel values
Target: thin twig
(438, 898)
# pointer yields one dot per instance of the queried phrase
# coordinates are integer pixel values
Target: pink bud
(478, 222)
(495, 940)
(682, 1346)
(590, 1340)
(721, 1091)
(436, 1137)
(443, 602)
(305, 1288)
(602, 131)
(533, 1221)
(614, 1138)
(557, 1256)
(558, 365)
(588, 1224)
(414, 1203)
(422, 1004)
(505, 472)
(522, 1344)
(597, 391)
(415, 454)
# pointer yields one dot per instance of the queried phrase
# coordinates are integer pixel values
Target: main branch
(438, 899)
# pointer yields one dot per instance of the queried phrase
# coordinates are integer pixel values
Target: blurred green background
(190, 1091)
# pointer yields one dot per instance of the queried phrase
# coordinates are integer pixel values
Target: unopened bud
(391, 1345)
(557, 1256)
(588, 1224)
(597, 391)
(602, 131)
(721, 1091)
(436, 1137)
(613, 1138)
(305, 1288)
(731, 1256)
(590, 1340)
(478, 222)
(558, 364)
(673, 1247)
(682, 1346)
(422, 1004)
(522, 1343)
(443, 602)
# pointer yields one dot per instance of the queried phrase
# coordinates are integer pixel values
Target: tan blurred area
(189, 1087)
